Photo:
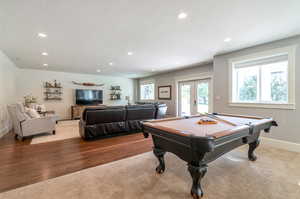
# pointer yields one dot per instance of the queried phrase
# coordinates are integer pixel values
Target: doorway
(194, 97)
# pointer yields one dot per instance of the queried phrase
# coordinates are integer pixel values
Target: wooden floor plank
(23, 164)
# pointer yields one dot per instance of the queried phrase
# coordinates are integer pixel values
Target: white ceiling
(85, 35)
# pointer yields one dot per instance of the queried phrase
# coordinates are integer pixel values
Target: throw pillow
(33, 113)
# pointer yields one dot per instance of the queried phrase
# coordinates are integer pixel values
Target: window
(265, 80)
(147, 91)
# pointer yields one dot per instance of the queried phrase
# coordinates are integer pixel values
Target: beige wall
(7, 90)
(31, 82)
(170, 78)
(288, 120)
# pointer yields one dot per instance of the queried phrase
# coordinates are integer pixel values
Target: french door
(194, 97)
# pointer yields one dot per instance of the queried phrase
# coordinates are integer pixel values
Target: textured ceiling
(86, 35)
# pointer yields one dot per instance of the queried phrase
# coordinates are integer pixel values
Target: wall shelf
(48, 99)
(52, 91)
(115, 93)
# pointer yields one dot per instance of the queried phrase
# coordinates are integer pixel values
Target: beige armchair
(24, 126)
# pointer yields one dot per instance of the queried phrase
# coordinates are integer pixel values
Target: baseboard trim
(3, 131)
(289, 146)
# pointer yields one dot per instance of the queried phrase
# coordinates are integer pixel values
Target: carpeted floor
(275, 175)
(64, 130)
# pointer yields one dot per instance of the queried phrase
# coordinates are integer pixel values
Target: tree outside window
(279, 87)
(248, 91)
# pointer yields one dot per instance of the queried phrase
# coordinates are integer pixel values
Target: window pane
(274, 82)
(147, 92)
(202, 97)
(247, 84)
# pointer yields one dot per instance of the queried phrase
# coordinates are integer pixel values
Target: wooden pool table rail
(185, 133)
(235, 127)
(241, 116)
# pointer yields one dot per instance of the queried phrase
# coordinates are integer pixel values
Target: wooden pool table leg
(252, 147)
(197, 173)
(146, 135)
(160, 156)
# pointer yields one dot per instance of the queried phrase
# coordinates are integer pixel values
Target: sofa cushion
(105, 130)
(91, 109)
(140, 112)
(106, 115)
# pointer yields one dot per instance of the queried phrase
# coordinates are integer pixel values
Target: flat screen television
(89, 97)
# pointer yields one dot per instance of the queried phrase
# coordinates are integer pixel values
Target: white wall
(31, 82)
(7, 91)
(288, 120)
(170, 78)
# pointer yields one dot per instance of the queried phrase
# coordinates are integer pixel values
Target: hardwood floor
(23, 164)
(9, 140)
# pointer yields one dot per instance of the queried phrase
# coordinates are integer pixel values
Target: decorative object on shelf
(165, 92)
(115, 93)
(86, 84)
(55, 84)
(29, 99)
(53, 91)
(128, 100)
(40, 108)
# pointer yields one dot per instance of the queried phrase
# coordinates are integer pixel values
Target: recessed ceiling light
(152, 70)
(228, 39)
(130, 53)
(182, 15)
(98, 71)
(111, 63)
(178, 62)
(45, 64)
(45, 53)
(42, 35)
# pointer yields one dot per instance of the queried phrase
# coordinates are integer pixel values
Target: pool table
(200, 144)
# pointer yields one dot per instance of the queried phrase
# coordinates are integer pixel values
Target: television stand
(77, 110)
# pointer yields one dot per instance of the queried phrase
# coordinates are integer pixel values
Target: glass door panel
(185, 99)
(202, 101)
(194, 97)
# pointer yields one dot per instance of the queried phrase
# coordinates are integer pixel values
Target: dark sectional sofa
(117, 120)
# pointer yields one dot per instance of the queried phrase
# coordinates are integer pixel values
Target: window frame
(145, 83)
(290, 51)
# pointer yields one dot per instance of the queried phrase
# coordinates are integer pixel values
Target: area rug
(275, 175)
(64, 130)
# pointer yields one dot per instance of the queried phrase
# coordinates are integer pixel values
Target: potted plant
(29, 100)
